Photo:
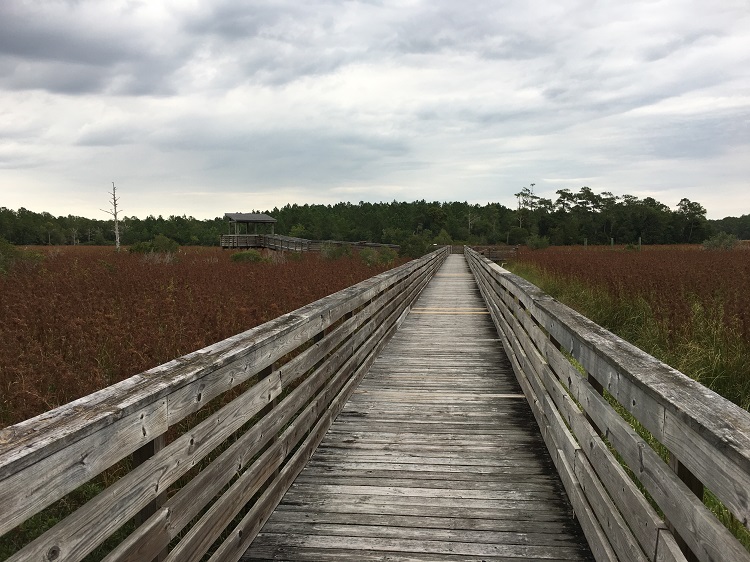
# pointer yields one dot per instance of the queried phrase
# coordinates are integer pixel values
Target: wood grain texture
(77, 535)
(435, 455)
(709, 434)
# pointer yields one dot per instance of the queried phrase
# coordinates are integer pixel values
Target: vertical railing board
(595, 535)
(30, 490)
(668, 550)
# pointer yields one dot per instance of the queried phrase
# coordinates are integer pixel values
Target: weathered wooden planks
(711, 434)
(435, 456)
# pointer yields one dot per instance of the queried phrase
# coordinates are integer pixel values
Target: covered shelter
(239, 237)
(236, 219)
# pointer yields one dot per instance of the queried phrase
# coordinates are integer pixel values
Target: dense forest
(573, 218)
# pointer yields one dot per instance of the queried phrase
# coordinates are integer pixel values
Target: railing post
(597, 386)
(139, 457)
(267, 409)
(695, 486)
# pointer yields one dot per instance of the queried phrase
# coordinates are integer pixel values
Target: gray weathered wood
(99, 430)
(28, 491)
(674, 408)
(435, 443)
(87, 527)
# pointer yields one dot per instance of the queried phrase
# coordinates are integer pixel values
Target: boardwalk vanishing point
(436, 456)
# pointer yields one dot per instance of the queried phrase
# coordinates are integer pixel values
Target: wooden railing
(497, 253)
(291, 243)
(199, 451)
(240, 241)
(599, 417)
(278, 242)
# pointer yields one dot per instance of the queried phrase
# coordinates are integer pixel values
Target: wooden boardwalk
(436, 456)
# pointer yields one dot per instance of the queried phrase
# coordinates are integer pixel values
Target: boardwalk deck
(435, 457)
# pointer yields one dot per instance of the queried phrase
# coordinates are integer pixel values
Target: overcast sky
(204, 107)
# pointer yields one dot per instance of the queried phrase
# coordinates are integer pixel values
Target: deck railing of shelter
(588, 414)
(291, 243)
(240, 241)
(206, 445)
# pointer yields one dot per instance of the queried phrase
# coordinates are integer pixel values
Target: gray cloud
(372, 99)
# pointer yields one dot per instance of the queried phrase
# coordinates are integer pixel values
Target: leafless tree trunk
(114, 212)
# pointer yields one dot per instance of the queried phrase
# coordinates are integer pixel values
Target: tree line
(572, 218)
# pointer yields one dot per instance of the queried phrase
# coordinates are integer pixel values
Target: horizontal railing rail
(497, 253)
(291, 243)
(240, 241)
(200, 449)
(600, 418)
(279, 242)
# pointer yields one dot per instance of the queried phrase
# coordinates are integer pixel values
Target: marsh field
(75, 319)
(683, 304)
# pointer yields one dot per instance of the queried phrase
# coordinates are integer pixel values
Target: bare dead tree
(114, 212)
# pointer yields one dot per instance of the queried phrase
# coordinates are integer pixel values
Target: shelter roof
(249, 217)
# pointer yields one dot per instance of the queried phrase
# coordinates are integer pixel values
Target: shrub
(721, 241)
(536, 242)
(387, 256)
(248, 256)
(335, 251)
(159, 244)
(369, 256)
(372, 257)
(517, 235)
(415, 246)
(9, 254)
(443, 238)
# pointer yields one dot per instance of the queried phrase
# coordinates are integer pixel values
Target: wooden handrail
(296, 373)
(281, 242)
(583, 420)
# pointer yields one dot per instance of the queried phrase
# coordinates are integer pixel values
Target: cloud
(88, 47)
(371, 99)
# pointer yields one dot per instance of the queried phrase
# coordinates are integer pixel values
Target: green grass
(707, 347)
